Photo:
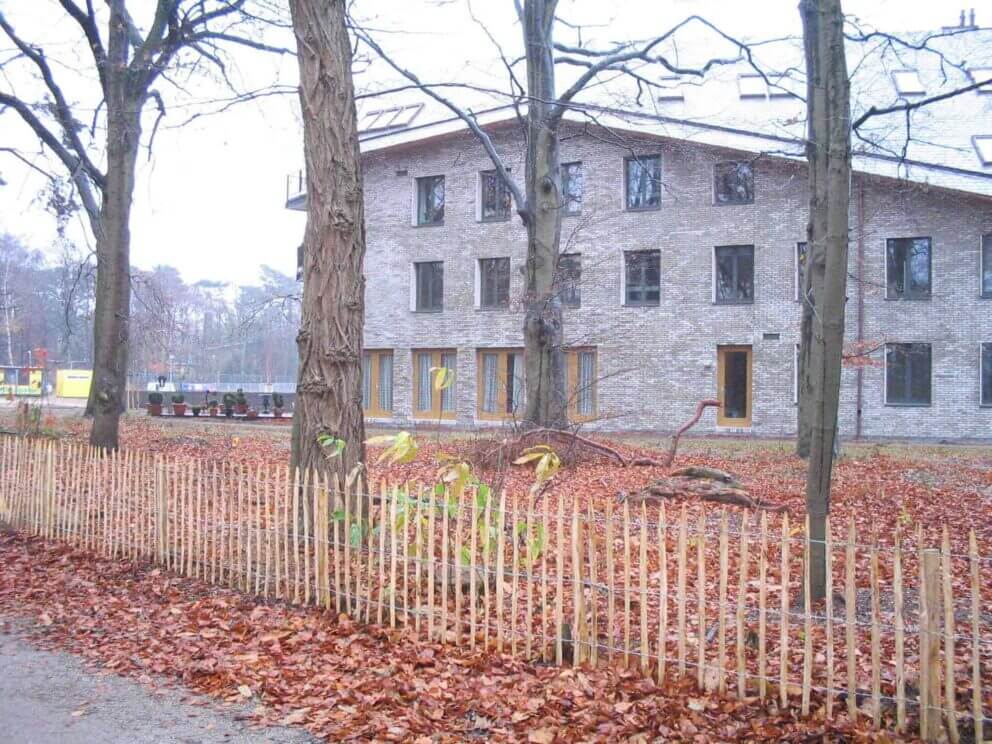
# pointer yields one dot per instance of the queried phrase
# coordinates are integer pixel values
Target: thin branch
(913, 105)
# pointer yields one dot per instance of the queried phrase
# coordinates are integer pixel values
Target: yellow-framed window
(377, 382)
(499, 383)
(583, 397)
(429, 403)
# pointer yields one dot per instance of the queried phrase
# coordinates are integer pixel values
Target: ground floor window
(428, 401)
(581, 384)
(986, 374)
(377, 382)
(500, 383)
(907, 374)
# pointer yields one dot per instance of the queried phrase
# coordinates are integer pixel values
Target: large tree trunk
(113, 247)
(329, 387)
(544, 353)
(829, 155)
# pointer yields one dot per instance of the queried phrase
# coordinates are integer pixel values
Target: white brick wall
(657, 362)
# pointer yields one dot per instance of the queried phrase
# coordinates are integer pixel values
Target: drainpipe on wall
(861, 301)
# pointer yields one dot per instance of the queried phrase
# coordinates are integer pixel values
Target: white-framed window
(733, 274)
(642, 278)
(908, 371)
(908, 273)
(670, 88)
(985, 374)
(980, 75)
(495, 200)
(493, 282)
(642, 182)
(908, 83)
(428, 286)
(429, 200)
(752, 85)
(983, 147)
(572, 187)
(570, 279)
(733, 182)
(985, 271)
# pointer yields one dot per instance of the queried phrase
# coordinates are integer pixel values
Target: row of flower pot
(233, 403)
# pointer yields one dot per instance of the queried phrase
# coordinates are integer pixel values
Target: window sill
(733, 303)
(491, 308)
(909, 299)
(985, 296)
(643, 209)
(427, 312)
(733, 204)
(637, 305)
(429, 224)
(908, 405)
(494, 220)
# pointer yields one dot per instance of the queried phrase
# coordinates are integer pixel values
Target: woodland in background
(209, 328)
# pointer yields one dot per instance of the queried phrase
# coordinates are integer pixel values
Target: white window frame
(984, 241)
(915, 85)
(623, 182)
(754, 271)
(885, 264)
(742, 93)
(983, 148)
(981, 372)
(981, 73)
(674, 93)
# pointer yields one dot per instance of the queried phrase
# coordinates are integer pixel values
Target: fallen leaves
(341, 680)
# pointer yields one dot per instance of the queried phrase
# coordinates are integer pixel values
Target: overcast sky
(210, 199)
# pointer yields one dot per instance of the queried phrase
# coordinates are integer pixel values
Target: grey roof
(733, 108)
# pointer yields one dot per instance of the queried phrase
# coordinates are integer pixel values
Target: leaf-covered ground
(348, 682)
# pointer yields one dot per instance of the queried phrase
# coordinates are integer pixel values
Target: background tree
(329, 387)
(128, 63)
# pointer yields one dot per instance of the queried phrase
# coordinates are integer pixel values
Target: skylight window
(983, 146)
(671, 88)
(391, 118)
(978, 74)
(908, 83)
(752, 86)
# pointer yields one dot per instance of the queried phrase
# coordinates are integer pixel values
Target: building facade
(682, 248)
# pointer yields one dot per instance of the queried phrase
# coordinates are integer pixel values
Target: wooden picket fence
(715, 595)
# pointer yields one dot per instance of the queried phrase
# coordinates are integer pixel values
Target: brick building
(682, 242)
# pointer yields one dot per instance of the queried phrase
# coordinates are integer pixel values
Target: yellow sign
(73, 383)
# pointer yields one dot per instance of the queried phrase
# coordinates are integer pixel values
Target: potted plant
(155, 404)
(277, 405)
(251, 414)
(240, 402)
(212, 406)
(196, 410)
(178, 405)
(229, 402)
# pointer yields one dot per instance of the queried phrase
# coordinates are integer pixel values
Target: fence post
(930, 725)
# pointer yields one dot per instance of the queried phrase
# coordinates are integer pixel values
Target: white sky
(210, 201)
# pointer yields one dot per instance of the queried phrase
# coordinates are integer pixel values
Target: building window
(907, 374)
(983, 147)
(800, 269)
(734, 274)
(570, 279)
(642, 273)
(908, 83)
(495, 197)
(986, 374)
(907, 266)
(429, 279)
(377, 383)
(733, 183)
(494, 282)
(430, 200)
(643, 182)
(500, 383)
(752, 86)
(581, 384)
(571, 187)
(987, 265)
(429, 403)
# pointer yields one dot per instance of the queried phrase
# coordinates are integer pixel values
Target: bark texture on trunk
(544, 352)
(828, 151)
(113, 245)
(329, 387)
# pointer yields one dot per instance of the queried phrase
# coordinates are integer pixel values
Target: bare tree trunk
(113, 248)
(6, 300)
(329, 387)
(544, 353)
(829, 155)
